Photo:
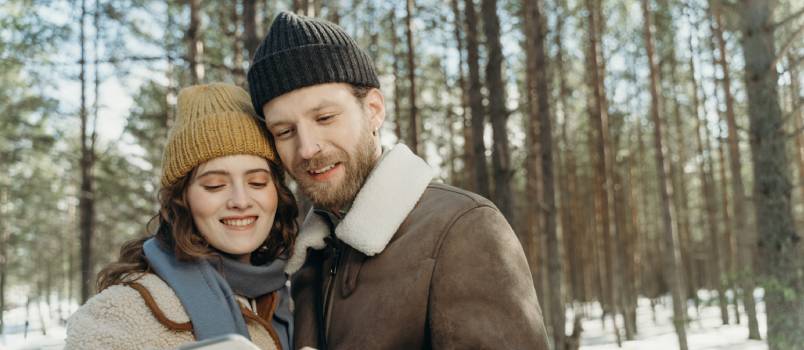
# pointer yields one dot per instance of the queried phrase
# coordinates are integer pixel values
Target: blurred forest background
(639, 148)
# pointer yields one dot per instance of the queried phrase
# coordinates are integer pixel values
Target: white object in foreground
(224, 342)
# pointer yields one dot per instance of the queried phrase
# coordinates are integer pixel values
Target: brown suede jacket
(414, 265)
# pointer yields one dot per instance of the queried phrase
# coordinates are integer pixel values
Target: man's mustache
(319, 161)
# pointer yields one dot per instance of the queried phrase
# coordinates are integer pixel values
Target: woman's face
(233, 201)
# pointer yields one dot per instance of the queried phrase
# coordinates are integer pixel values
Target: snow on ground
(705, 331)
(16, 336)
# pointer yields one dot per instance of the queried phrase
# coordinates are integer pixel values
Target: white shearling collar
(391, 191)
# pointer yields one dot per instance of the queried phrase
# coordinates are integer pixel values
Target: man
(386, 259)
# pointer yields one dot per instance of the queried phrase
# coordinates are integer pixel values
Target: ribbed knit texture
(302, 51)
(213, 120)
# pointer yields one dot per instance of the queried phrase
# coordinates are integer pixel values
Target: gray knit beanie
(302, 51)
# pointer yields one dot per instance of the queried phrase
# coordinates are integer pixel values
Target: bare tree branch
(794, 63)
(786, 46)
(794, 133)
(788, 19)
(792, 114)
(728, 5)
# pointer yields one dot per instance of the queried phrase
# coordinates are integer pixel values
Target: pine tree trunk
(237, 46)
(449, 124)
(779, 243)
(86, 196)
(49, 288)
(685, 230)
(731, 243)
(604, 197)
(797, 117)
(334, 8)
(639, 209)
(413, 119)
(653, 268)
(620, 244)
(250, 37)
(39, 294)
(665, 30)
(299, 7)
(195, 51)
(632, 278)
(476, 100)
(721, 187)
(371, 30)
(3, 267)
(672, 253)
(397, 79)
(565, 158)
(468, 152)
(539, 103)
(172, 90)
(64, 276)
(70, 274)
(534, 235)
(707, 179)
(730, 256)
(745, 239)
(498, 113)
(314, 9)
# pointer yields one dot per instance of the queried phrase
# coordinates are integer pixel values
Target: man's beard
(356, 170)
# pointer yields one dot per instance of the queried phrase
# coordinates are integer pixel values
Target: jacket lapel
(391, 191)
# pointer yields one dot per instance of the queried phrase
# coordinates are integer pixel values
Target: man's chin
(322, 195)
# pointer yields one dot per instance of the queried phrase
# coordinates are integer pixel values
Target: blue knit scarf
(208, 295)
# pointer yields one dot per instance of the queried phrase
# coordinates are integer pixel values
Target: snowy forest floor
(704, 332)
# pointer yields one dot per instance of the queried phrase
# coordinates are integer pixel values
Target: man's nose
(309, 144)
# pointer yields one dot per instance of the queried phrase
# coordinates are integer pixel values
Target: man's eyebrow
(321, 105)
(274, 123)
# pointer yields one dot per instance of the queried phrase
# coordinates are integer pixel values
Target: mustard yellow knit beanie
(213, 120)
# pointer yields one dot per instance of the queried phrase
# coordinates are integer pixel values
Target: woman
(225, 227)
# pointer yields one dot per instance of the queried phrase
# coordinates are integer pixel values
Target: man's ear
(374, 103)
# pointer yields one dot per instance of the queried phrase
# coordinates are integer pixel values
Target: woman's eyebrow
(213, 172)
(226, 173)
(257, 170)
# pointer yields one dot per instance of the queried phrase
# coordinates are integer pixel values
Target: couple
(386, 259)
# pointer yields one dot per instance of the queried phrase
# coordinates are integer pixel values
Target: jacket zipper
(333, 271)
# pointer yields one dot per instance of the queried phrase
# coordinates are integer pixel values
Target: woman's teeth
(238, 222)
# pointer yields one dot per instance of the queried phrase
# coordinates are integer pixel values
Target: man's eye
(284, 132)
(326, 118)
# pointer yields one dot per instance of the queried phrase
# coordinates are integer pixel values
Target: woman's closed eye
(212, 187)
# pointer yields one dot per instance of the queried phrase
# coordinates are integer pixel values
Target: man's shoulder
(451, 198)
(441, 205)
(448, 215)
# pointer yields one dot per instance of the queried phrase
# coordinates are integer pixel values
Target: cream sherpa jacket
(120, 318)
